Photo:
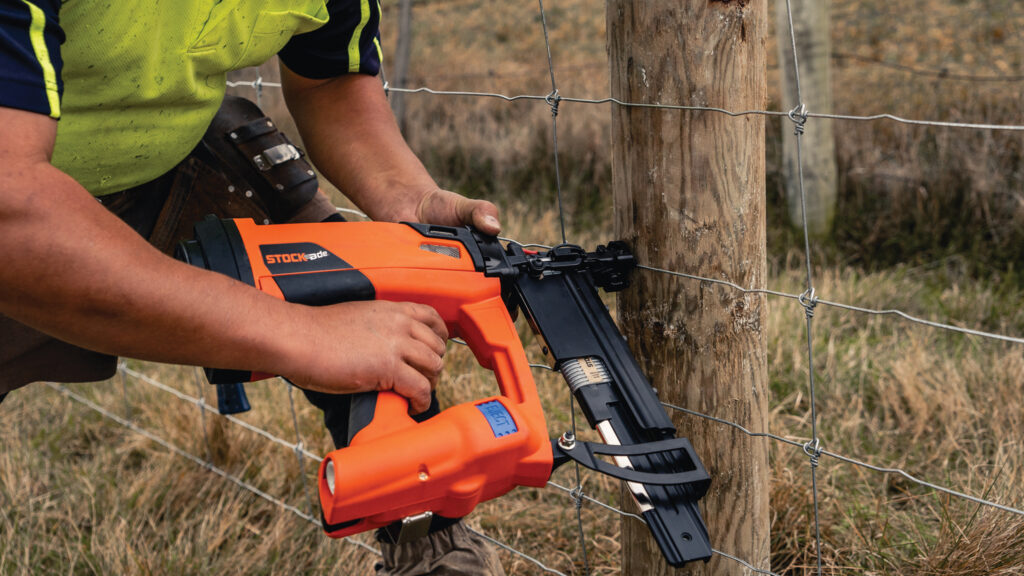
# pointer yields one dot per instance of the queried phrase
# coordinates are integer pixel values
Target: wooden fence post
(689, 196)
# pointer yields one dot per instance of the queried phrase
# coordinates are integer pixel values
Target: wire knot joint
(577, 496)
(553, 99)
(799, 117)
(813, 450)
(809, 301)
(258, 85)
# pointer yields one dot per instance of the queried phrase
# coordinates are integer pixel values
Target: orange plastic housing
(469, 453)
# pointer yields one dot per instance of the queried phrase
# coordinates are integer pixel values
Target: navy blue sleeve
(30, 62)
(349, 43)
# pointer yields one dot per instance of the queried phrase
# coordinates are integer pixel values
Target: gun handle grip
(231, 398)
(488, 330)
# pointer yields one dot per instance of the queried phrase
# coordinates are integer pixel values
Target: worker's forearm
(75, 271)
(351, 135)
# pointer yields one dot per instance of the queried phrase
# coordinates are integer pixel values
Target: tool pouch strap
(249, 143)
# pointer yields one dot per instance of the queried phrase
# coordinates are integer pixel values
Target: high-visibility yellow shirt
(143, 80)
(137, 82)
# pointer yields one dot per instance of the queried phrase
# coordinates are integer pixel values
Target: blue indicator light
(498, 417)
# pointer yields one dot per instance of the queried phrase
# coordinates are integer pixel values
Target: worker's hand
(376, 345)
(451, 209)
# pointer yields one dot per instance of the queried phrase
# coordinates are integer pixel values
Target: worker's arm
(75, 271)
(352, 137)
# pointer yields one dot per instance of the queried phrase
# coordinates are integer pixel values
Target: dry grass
(82, 495)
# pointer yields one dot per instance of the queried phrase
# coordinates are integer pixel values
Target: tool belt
(243, 168)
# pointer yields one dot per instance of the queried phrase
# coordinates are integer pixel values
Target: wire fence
(811, 446)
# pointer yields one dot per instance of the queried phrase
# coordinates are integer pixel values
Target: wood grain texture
(689, 196)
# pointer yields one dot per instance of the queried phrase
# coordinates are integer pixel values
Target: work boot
(452, 551)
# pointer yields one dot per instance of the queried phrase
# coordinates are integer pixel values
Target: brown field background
(931, 223)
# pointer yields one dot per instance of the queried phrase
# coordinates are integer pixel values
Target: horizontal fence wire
(811, 300)
(200, 403)
(183, 453)
(807, 300)
(547, 98)
(589, 67)
(887, 470)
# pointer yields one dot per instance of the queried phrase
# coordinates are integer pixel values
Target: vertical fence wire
(124, 391)
(202, 413)
(553, 100)
(812, 448)
(307, 487)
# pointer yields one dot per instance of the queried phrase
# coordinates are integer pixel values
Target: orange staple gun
(396, 469)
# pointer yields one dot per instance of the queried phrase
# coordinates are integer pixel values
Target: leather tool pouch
(244, 167)
(246, 141)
